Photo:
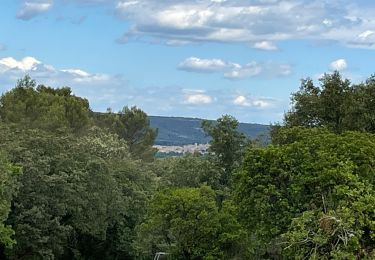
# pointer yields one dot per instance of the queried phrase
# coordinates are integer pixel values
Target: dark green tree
(80, 197)
(32, 106)
(133, 126)
(227, 144)
(8, 185)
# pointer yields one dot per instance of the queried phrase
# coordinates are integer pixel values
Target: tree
(227, 144)
(80, 197)
(133, 126)
(187, 171)
(187, 224)
(310, 196)
(8, 185)
(336, 105)
(32, 106)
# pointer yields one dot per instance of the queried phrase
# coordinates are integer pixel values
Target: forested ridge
(75, 184)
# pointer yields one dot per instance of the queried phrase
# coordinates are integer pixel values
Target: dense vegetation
(75, 184)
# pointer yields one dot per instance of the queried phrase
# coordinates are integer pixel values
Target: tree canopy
(307, 197)
(78, 184)
(336, 104)
(38, 106)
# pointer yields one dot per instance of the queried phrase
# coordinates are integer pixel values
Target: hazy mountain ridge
(183, 130)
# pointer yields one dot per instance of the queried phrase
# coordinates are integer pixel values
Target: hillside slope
(182, 131)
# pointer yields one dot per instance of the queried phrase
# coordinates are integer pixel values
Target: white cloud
(338, 65)
(204, 65)
(232, 70)
(241, 101)
(77, 72)
(250, 69)
(9, 66)
(196, 99)
(265, 45)
(123, 5)
(26, 64)
(262, 21)
(252, 102)
(32, 8)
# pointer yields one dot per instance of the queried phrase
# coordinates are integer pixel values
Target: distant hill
(182, 130)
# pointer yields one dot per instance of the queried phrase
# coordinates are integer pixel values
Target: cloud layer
(232, 70)
(260, 22)
(105, 90)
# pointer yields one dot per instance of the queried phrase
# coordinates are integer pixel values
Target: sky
(193, 58)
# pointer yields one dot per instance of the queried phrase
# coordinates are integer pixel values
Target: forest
(75, 184)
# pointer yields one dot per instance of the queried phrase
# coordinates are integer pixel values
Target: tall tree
(321, 106)
(335, 104)
(133, 125)
(227, 144)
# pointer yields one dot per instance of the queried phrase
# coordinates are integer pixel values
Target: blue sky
(196, 58)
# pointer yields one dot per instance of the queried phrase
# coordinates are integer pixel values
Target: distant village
(189, 148)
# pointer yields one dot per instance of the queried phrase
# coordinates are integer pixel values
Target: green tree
(80, 197)
(187, 171)
(336, 105)
(133, 126)
(32, 106)
(8, 185)
(284, 192)
(187, 224)
(227, 144)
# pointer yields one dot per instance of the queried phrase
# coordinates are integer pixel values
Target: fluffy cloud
(12, 69)
(26, 64)
(261, 21)
(194, 64)
(32, 8)
(265, 45)
(233, 70)
(196, 99)
(243, 21)
(253, 102)
(338, 65)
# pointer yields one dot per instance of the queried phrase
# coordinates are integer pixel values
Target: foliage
(96, 192)
(133, 126)
(187, 171)
(187, 224)
(336, 105)
(284, 191)
(227, 144)
(43, 107)
(8, 186)
(76, 195)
